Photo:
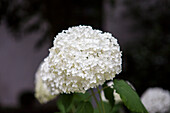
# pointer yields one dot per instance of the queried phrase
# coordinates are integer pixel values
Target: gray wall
(18, 63)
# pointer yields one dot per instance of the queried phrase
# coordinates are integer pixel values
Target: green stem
(96, 100)
(95, 93)
(101, 99)
(73, 109)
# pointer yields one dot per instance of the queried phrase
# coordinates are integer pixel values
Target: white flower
(156, 100)
(81, 58)
(41, 91)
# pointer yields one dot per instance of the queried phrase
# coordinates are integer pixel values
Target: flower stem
(101, 99)
(96, 100)
(73, 109)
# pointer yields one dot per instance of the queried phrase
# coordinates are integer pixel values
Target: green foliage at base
(85, 107)
(80, 103)
(75, 102)
(108, 93)
(65, 103)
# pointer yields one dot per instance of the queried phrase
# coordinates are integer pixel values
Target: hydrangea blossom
(156, 100)
(41, 91)
(81, 58)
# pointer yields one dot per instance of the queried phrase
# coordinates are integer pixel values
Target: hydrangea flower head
(41, 91)
(156, 100)
(81, 58)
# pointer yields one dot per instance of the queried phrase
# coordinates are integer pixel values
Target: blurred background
(27, 29)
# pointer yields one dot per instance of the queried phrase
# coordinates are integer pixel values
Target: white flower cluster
(41, 91)
(156, 100)
(81, 58)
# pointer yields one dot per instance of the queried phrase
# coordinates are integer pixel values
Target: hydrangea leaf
(65, 102)
(129, 97)
(108, 93)
(61, 107)
(117, 108)
(78, 97)
(85, 107)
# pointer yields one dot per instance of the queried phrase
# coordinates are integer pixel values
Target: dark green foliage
(129, 97)
(78, 97)
(117, 108)
(107, 107)
(84, 107)
(70, 102)
(65, 103)
(80, 103)
(108, 92)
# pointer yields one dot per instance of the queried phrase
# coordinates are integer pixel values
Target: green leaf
(117, 108)
(129, 97)
(65, 102)
(85, 107)
(78, 97)
(61, 107)
(108, 93)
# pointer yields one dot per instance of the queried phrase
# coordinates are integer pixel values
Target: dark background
(142, 28)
